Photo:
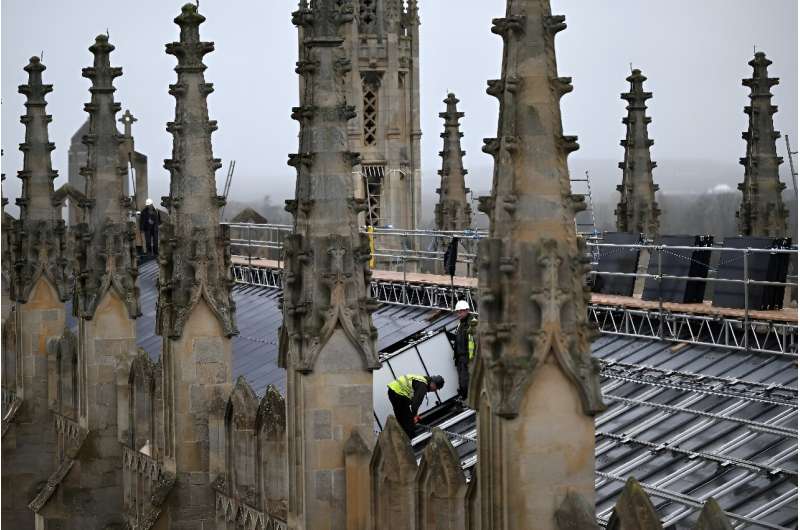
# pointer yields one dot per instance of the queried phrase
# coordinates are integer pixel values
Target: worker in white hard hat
(464, 345)
(149, 220)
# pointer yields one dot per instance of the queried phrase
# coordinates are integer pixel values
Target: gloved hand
(417, 419)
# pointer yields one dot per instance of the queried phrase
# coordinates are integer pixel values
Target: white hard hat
(462, 304)
(148, 202)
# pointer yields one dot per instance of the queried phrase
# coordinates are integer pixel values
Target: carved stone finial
(327, 339)
(324, 255)
(106, 254)
(531, 276)
(453, 211)
(712, 517)
(534, 368)
(39, 242)
(762, 211)
(634, 510)
(575, 514)
(637, 210)
(195, 248)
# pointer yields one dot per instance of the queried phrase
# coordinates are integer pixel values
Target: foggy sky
(694, 53)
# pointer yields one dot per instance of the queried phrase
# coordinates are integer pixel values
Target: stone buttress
(39, 287)
(195, 311)
(637, 210)
(534, 384)
(327, 342)
(762, 211)
(85, 491)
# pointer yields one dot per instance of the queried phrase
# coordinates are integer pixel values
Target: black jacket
(460, 340)
(420, 389)
(149, 219)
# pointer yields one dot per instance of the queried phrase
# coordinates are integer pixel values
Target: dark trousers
(462, 367)
(151, 240)
(402, 411)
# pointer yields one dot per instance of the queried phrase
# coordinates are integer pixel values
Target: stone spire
(195, 312)
(762, 212)
(195, 256)
(41, 246)
(637, 210)
(105, 251)
(453, 211)
(534, 384)
(327, 340)
(39, 286)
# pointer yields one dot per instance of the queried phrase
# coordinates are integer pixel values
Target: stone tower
(762, 212)
(39, 286)
(383, 86)
(534, 384)
(327, 340)
(106, 302)
(195, 313)
(453, 211)
(637, 210)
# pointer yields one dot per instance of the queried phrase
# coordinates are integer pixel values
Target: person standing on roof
(149, 220)
(463, 342)
(406, 394)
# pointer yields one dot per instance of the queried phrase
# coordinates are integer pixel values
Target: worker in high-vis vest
(464, 346)
(406, 394)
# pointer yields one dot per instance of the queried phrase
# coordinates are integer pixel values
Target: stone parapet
(146, 484)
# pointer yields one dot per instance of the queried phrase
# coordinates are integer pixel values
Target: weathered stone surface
(194, 248)
(575, 514)
(534, 384)
(633, 510)
(29, 438)
(453, 212)
(209, 426)
(393, 471)
(441, 486)
(762, 212)
(637, 210)
(712, 517)
(382, 84)
(105, 250)
(40, 242)
(327, 340)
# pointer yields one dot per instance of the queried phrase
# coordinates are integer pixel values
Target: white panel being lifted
(433, 356)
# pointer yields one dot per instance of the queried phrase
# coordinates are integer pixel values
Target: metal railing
(751, 331)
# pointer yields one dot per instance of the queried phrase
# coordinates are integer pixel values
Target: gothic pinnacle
(532, 265)
(325, 212)
(453, 211)
(637, 210)
(762, 211)
(37, 174)
(195, 249)
(534, 369)
(40, 244)
(106, 253)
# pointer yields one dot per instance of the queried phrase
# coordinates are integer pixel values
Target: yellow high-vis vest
(403, 385)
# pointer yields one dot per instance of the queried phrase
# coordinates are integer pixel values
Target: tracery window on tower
(371, 82)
